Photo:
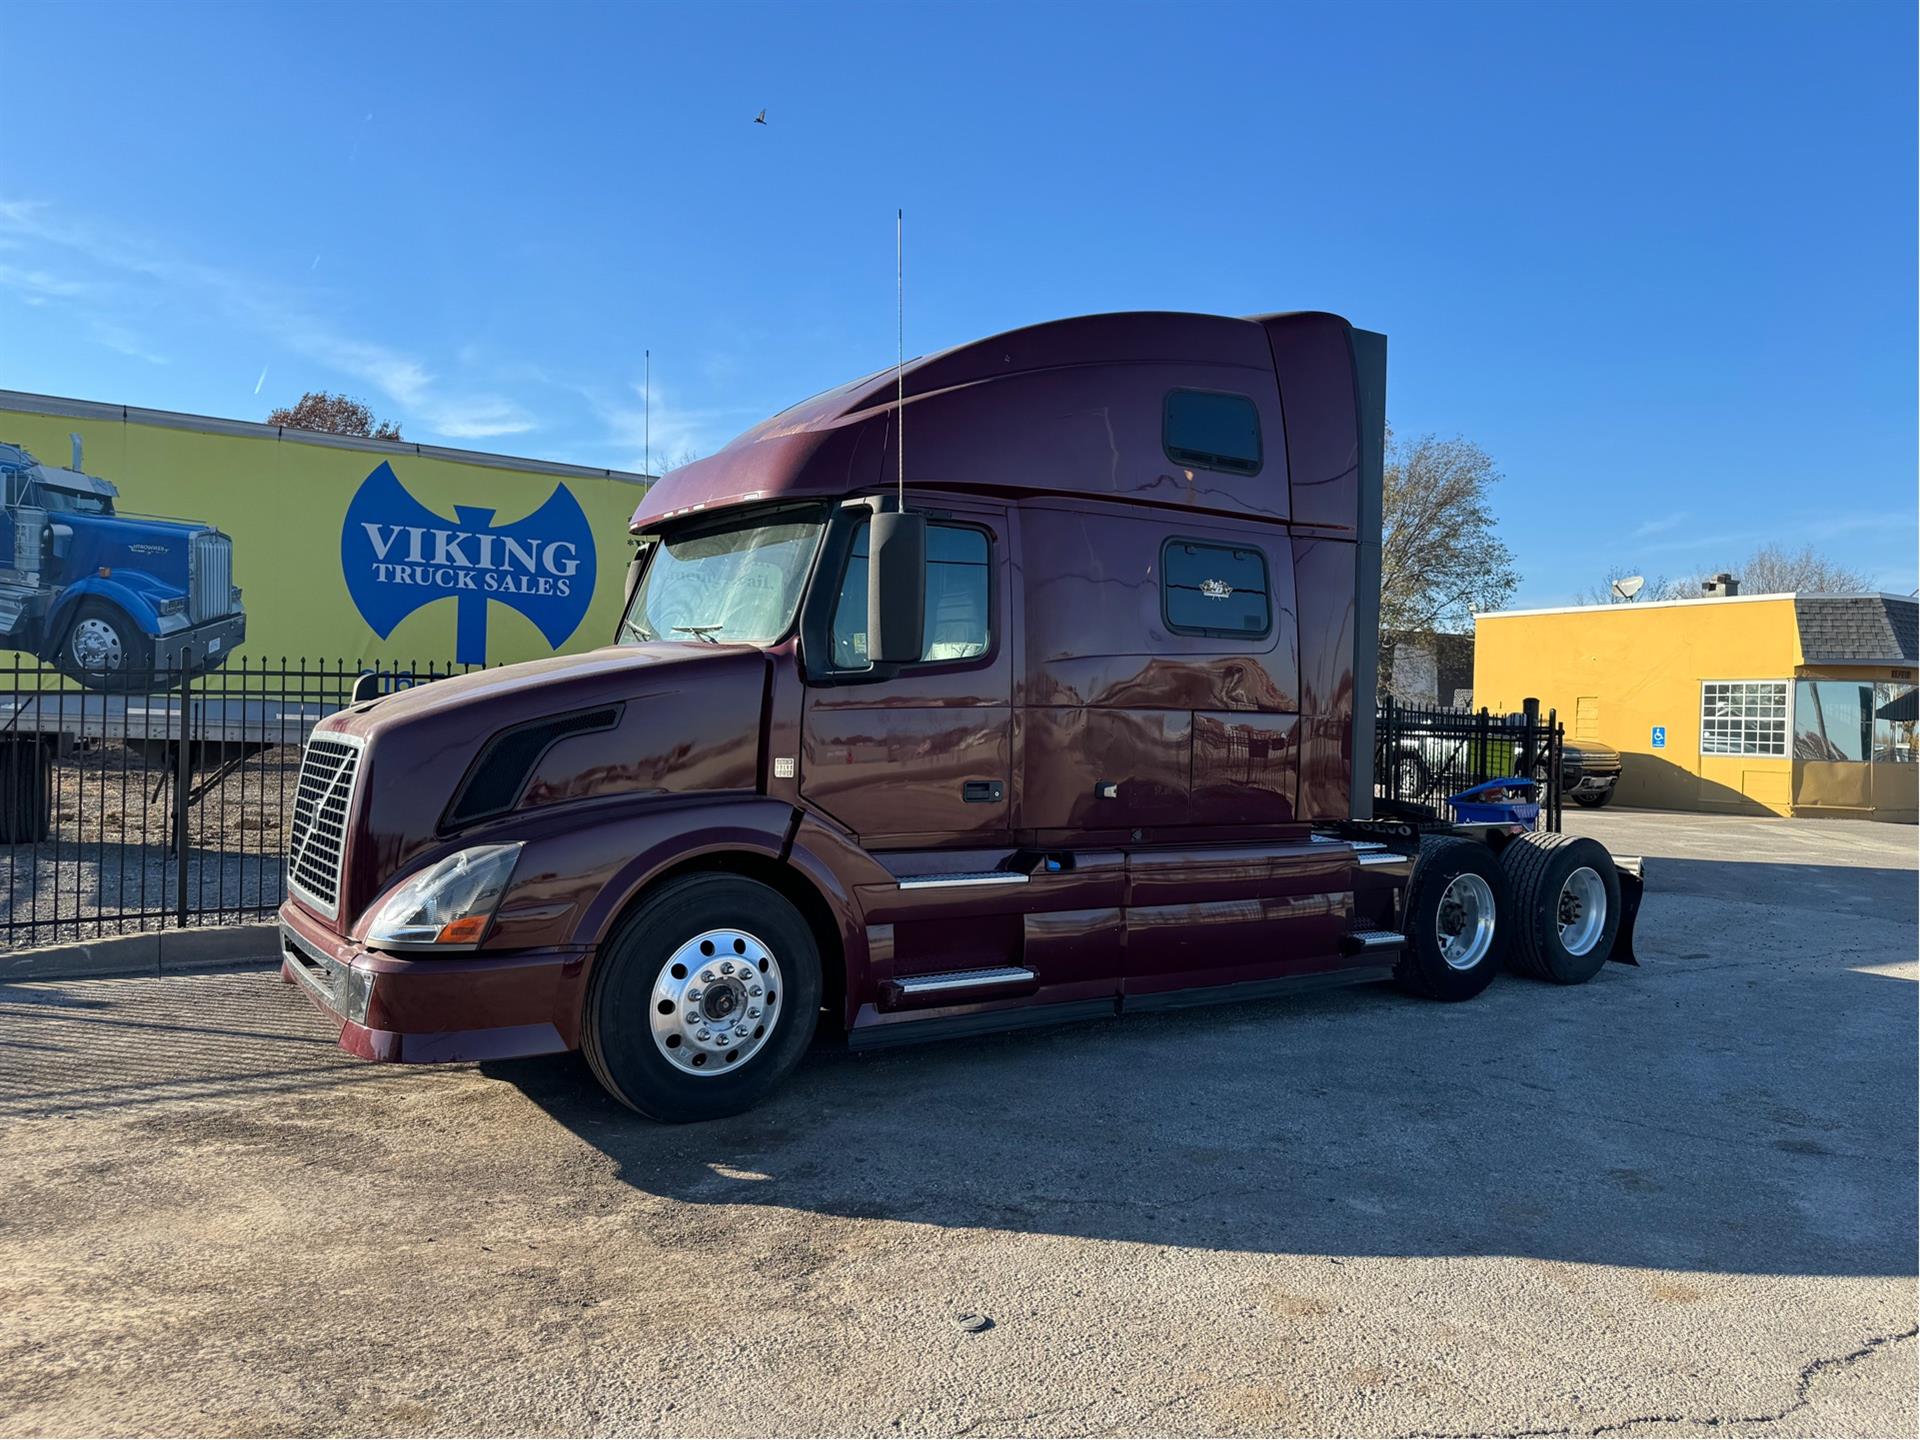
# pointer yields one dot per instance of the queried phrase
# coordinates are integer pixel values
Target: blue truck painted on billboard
(117, 601)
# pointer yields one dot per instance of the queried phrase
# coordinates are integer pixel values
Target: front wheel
(1566, 903)
(104, 649)
(703, 999)
(1455, 938)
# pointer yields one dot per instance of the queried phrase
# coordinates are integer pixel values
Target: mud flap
(1632, 871)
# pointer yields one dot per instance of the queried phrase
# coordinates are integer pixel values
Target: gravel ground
(107, 868)
(1679, 1200)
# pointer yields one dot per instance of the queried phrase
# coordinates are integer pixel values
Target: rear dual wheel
(1456, 938)
(1566, 903)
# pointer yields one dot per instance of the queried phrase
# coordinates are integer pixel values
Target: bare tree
(1772, 570)
(334, 414)
(1440, 559)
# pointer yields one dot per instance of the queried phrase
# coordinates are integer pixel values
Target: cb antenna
(646, 413)
(900, 354)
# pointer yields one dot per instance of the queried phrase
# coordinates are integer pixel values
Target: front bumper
(440, 1009)
(203, 646)
(1596, 784)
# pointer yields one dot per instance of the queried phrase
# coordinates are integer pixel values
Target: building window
(957, 599)
(1894, 723)
(1214, 589)
(1213, 431)
(1743, 717)
(1832, 719)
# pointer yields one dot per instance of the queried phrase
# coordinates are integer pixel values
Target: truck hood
(126, 531)
(624, 721)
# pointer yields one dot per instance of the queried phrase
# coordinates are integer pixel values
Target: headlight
(172, 605)
(448, 903)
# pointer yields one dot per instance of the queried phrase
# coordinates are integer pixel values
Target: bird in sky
(761, 118)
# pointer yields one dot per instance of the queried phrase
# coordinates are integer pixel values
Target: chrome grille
(321, 803)
(210, 579)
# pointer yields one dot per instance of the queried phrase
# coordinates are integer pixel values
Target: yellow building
(1755, 704)
(346, 549)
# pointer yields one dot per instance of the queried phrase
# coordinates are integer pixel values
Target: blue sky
(1658, 260)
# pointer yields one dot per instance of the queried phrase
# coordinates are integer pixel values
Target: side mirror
(896, 587)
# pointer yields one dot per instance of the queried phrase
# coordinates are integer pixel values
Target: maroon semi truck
(1076, 720)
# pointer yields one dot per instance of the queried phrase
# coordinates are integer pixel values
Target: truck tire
(1414, 781)
(104, 650)
(1456, 936)
(1566, 905)
(703, 999)
(1593, 802)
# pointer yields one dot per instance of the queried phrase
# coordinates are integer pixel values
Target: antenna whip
(900, 365)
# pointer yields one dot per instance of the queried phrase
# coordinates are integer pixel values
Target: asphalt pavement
(1679, 1200)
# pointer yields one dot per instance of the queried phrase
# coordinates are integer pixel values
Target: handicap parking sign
(1659, 737)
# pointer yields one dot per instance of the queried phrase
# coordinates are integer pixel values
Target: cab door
(921, 757)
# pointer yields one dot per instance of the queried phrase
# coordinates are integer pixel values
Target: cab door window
(958, 621)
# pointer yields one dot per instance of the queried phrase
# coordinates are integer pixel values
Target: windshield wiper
(703, 632)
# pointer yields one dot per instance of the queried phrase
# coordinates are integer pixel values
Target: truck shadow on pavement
(1712, 1112)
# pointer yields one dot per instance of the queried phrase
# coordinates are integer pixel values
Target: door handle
(982, 792)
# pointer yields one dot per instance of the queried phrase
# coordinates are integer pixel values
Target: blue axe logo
(398, 555)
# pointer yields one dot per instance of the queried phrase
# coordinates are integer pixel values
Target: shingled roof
(1866, 629)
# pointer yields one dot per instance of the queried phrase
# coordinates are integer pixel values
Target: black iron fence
(1422, 757)
(150, 801)
(162, 800)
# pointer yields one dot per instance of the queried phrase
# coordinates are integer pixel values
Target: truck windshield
(737, 582)
(71, 502)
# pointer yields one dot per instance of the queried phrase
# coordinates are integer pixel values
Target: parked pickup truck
(117, 601)
(1066, 714)
(1589, 771)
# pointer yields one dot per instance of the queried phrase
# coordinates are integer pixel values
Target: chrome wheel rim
(1582, 911)
(1464, 925)
(715, 1002)
(96, 645)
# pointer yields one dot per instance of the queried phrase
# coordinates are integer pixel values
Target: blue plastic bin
(1468, 809)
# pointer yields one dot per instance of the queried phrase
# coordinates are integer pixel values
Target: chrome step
(1362, 941)
(963, 980)
(1383, 857)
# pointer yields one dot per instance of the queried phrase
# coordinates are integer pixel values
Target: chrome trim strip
(963, 980)
(954, 882)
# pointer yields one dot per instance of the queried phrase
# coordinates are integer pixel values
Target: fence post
(1387, 748)
(1554, 758)
(1530, 741)
(182, 778)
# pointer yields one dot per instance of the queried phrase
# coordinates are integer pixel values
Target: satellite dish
(1628, 586)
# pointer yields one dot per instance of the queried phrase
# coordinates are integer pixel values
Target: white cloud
(677, 431)
(1660, 526)
(265, 310)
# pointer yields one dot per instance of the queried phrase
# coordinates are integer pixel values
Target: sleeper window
(1213, 430)
(957, 599)
(1214, 589)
